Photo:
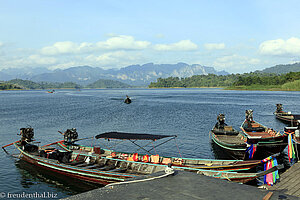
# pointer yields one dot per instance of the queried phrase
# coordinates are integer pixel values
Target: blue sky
(236, 36)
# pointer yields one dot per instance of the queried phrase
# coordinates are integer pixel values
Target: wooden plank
(290, 181)
(293, 187)
(268, 196)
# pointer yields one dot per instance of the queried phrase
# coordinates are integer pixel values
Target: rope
(168, 171)
(153, 147)
(177, 148)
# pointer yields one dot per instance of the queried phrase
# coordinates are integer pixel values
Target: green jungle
(19, 84)
(246, 81)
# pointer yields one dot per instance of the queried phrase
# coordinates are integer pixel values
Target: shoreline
(223, 88)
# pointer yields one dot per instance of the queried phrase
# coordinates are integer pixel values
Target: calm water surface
(188, 113)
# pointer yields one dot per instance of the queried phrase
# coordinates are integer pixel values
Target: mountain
(22, 73)
(82, 75)
(103, 83)
(144, 74)
(139, 75)
(282, 69)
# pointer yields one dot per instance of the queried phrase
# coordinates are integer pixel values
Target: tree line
(26, 84)
(232, 80)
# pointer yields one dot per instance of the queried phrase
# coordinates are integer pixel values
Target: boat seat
(118, 170)
(94, 166)
(74, 163)
(106, 168)
(85, 164)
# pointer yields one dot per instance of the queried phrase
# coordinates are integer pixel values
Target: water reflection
(32, 175)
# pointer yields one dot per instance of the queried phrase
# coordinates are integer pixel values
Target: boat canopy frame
(134, 137)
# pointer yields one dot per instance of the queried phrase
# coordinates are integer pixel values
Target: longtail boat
(229, 139)
(96, 168)
(286, 117)
(100, 166)
(266, 140)
(195, 163)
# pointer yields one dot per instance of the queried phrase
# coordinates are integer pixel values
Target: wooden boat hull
(106, 177)
(285, 117)
(267, 144)
(235, 177)
(89, 175)
(236, 150)
(206, 164)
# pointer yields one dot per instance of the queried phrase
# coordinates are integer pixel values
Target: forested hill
(282, 69)
(8, 86)
(210, 80)
(26, 84)
(105, 83)
(257, 81)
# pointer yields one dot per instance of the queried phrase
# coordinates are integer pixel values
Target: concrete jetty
(289, 181)
(183, 185)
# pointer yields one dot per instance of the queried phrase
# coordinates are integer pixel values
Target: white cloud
(116, 58)
(235, 62)
(114, 43)
(183, 45)
(122, 42)
(214, 46)
(290, 47)
(62, 48)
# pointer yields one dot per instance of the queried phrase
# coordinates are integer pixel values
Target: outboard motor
(221, 121)
(70, 136)
(278, 108)
(27, 137)
(249, 115)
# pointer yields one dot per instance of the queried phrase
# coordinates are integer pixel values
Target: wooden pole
(52, 143)
(10, 144)
(268, 196)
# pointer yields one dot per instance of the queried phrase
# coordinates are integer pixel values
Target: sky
(232, 35)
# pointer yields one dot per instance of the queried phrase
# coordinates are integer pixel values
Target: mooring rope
(168, 171)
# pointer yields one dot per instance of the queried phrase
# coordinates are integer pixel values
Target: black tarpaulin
(131, 136)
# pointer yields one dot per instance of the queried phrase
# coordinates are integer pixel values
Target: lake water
(187, 113)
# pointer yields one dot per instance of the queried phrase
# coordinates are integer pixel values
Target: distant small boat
(286, 117)
(127, 100)
(51, 91)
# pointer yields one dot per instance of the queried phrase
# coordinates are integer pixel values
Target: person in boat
(127, 100)
(221, 122)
